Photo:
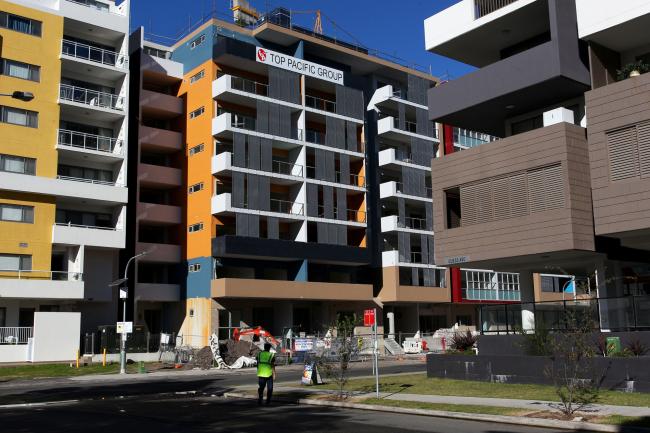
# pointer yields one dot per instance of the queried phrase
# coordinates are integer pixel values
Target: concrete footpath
(533, 405)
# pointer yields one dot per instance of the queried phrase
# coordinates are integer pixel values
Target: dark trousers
(265, 382)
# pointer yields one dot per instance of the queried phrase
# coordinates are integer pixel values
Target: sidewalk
(533, 405)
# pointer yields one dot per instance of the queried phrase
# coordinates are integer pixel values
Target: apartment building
(63, 158)
(561, 197)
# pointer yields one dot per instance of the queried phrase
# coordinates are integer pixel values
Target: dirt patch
(561, 417)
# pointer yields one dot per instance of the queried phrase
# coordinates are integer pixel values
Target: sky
(394, 27)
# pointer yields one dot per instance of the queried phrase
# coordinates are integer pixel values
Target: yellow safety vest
(264, 365)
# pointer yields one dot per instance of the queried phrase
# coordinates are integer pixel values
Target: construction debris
(203, 358)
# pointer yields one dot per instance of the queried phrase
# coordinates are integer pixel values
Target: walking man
(265, 373)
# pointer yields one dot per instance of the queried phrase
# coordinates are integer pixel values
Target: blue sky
(391, 26)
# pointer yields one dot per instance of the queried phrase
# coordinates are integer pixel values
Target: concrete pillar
(391, 324)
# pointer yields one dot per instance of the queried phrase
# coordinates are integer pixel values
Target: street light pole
(22, 96)
(123, 335)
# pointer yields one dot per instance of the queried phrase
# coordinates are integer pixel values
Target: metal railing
(484, 285)
(277, 166)
(95, 5)
(84, 180)
(351, 215)
(568, 285)
(287, 207)
(428, 192)
(20, 274)
(93, 54)
(15, 334)
(249, 86)
(82, 226)
(485, 7)
(87, 141)
(320, 103)
(90, 97)
(412, 223)
(467, 138)
(354, 179)
(242, 122)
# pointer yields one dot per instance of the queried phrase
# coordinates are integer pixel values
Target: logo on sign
(261, 54)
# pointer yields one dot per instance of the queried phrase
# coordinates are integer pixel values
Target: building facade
(560, 198)
(63, 158)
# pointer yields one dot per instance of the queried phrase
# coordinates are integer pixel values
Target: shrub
(624, 72)
(463, 342)
(636, 348)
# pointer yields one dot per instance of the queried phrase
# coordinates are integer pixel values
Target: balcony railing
(15, 334)
(351, 215)
(87, 141)
(242, 122)
(485, 7)
(354, 179)
(320, 103)
(481, 285)
(92, 4)
(278, 167)
(315, 137)
(428, 192)
(93, 54)
(412, 223)
(249, 86)
(81, 226)
(40, 275)
(466, 138)
(85, 180)
(90, 97)
(287, 207)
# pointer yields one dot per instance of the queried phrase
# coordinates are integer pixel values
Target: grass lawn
(420, 384)
(59, 370)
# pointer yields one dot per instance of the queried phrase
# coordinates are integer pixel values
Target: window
(196, 187)
(195, 227)
(196, 149)
(17, 116)
(196, 42)
(15, 262)
(17, 164)
(102, 176)
(196, 77)
(16, 213)
(196, 113)
(25, 71)
(83, 219)
(20, 24)
(3, 317)
(156, 52)
(194, 267)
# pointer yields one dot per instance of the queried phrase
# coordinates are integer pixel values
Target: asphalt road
(184, 414)
(203, 383)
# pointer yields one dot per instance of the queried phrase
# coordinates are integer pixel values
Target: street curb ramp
(500, 419)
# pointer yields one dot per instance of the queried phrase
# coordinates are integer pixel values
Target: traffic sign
(369, 317)
(124, 327)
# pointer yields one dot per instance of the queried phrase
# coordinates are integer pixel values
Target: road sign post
(370, 319)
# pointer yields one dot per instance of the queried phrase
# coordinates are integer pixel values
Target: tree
(335, 364)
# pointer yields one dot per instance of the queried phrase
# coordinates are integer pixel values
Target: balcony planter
(632, 70)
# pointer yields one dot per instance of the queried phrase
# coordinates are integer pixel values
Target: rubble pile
(204, 358)
(232, 350)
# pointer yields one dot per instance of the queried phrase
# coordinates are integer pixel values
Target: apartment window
(20, 24)
(195, 228)
(196, 42)
(194, 267)
(196, 149)
(25, 71)
(15, 262)
(162, 54)
(196, 113)
(196, 77)
(17, 164)
(17, 116)
(196, 187)
(16, 213)
(94, 174)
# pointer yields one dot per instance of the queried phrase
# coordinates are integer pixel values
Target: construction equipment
(243, 13)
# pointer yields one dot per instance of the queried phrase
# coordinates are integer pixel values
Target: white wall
(597, 15)
(56, 336)
(13, 353)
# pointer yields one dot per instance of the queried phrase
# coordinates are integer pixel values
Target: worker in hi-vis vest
(265, 373)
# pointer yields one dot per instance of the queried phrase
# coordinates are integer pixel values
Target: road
(185, 414)
(204, 383)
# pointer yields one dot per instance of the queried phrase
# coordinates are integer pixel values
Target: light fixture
(510, 107)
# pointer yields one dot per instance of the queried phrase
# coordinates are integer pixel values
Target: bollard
(77, 358)
(142, 370)
(104, 358)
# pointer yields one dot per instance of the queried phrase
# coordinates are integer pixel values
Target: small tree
(572, 369)
(463, 342)
(335, 364)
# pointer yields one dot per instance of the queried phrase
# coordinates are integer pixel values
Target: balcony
(103, 15)
(553, 288)
(355, 180)
(158, 176)
(397, 157)
(157, 69)
(160, 140)
(72, 234)
(161, 105)
(224, 124)
(619, 118)
(159, 213)
(388, 127)
(157, 292)
(159, 253)
(344, 215)
(241, 288)
(95, 147)
(482, 285)
(284, 209)
(414, 260)
(394, 223)
(287, 171)
(41, 285)
(509, 199)
(388, 98)
(320, 104)
(467, 139)
(396, 189)
(84, 98)
(395, 290)
(102, 63)
(241, 91)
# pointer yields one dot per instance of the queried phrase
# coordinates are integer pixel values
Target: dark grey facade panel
(272, 228)
(266, 154)
(351, 137)
(422, 123)
(342, 237)
(262, 120)
(349, 102)
(328, 202)
(424, 248)
(284, 121)
(284, 85)
(330, 127)
(274, 119)
(253, 191)
(427, 277)
(417, 90)
(401, 116)
(322, 232)
(312, 200)
(401, 208)
(333, 233)
(254, 152)
(428, 209)
(239, 149)
(319, 164)
(241, 224)
(344, 168)
(404, 247)
(330, 167)
(415, 276)
(341, 204)
(264, 193)
(431, 241)
(254, 226)
(238, 190)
